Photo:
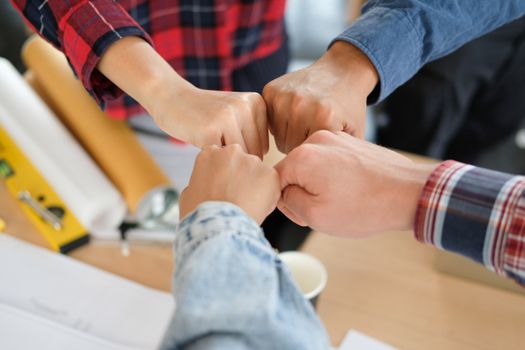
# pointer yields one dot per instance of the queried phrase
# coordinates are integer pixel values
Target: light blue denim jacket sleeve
(400, 36)
(232, 291)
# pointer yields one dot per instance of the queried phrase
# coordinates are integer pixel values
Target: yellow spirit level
(37, 198)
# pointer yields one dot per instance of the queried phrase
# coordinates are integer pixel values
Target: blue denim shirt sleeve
(400, 36)
(232, 291)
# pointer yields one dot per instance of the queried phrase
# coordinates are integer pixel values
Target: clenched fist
(339, 184)
(200, 117)
(229, 174)
(204, 118)
(329, 95)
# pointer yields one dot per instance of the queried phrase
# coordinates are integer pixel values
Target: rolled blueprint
(59, 158)
(111, 143)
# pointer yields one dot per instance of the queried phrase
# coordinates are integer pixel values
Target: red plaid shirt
(478, 213)
(204, 40)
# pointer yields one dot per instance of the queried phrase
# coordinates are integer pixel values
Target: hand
(185, 112)
(341, 185)
(329, 95)
(204, 118)
(228, 174)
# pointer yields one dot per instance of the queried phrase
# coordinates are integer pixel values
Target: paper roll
(57, 155)
(110, 143)
(32, 81)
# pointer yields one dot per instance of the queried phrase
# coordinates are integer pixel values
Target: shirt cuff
(394, 53)
(477, 213)
(88, 29)
(211, 219)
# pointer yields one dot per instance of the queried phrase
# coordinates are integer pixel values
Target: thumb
(294, 203)
(291, 170)
(290, 215)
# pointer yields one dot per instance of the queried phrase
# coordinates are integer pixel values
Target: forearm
(83, 31)
(231, 289)
(477, 213)
(135, 67)
(400, 36)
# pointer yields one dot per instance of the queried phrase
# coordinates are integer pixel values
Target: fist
(341, 185)
(329, 95)
(204, 118)
(229, 174)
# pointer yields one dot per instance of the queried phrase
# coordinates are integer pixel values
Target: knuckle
(261, 121)
(241, 102)
(211, 135)
(254, 162)
(297, 103)
(228, 121)
(267, 93)
(303, 95)
(227, 110)
(324, 116)
(255, 97)
(304, 152)
(259, 104)
(324, 121)
(233, 149)
(280, 108)
(321, 136)
(270, 88)
(207, 150)
(245, 107)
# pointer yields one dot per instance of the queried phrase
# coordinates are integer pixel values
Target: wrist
(134, 66)
(412, 180)
(164, 89)
(353, 63)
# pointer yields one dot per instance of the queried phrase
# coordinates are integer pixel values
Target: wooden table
(385, 286)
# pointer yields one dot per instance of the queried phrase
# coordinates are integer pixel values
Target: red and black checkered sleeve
(83, 30)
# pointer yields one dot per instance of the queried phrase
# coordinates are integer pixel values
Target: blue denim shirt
(232, 291)
(400, 36)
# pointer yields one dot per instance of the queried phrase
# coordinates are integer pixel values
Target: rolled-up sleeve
(83, 30)
(231, 289)
(477, 213)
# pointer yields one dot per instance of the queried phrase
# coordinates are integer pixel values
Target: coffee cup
(308, 272)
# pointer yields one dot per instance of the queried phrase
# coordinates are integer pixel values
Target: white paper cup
(308, 273)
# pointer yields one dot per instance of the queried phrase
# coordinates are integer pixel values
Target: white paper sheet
(57, 155)
(50, 301)
(355, 340)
